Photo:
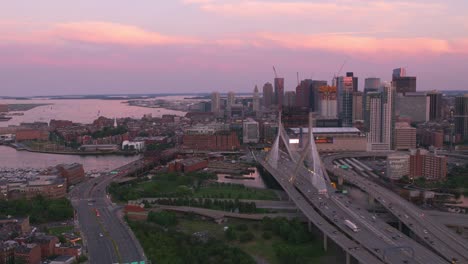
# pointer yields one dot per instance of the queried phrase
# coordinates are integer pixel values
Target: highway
(106, 237)
(435, 235)
(375, 237)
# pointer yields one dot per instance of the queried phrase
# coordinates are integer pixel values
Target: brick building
(7, 251)
(49, 186)
(68, 250)
(3, 108)
(74, 173)
(29, 253)
(430, 166)
(47, 245)
(54, 124)
(31, 134)
(188, 165)
(223, 140)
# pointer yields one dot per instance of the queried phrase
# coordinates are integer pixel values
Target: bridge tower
(274, 153)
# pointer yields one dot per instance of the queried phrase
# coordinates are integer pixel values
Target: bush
(163, 218)
(242, 227)
(230, 234)
(267, 235)
(246, 237)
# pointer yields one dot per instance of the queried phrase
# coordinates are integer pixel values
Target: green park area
(190, 185)
(456, 182)
(40, 210)
(171, 238)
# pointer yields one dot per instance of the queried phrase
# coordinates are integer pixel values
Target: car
(425, 231)
(101, 235)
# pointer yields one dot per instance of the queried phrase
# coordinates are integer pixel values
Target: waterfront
(10, 158)
(83, 110)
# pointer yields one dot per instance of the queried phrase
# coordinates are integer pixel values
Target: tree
(230, 234)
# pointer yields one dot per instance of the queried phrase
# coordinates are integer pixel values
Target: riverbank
(20, 147)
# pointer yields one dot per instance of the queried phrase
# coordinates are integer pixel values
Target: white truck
(351, 225)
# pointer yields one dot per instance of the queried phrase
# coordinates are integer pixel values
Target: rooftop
(327, 130)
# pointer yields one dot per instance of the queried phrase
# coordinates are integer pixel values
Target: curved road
(436, 236)
(106, 237)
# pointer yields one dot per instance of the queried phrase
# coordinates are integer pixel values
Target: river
(80, 111)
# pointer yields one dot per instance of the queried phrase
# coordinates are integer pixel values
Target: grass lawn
(58, 230)
(170, 185)
(259, 247)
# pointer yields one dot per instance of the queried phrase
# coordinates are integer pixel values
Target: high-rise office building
(231, 100)
(346, 86)
(279, 92)
(267, 95)
(403, 84)
(461, 116)
(256, 100)
(371, 84)
(413, 105)
(357, 106)
(381, 115)
(435, 105)
(328, 102)
(303, 93)
(215, 103)
(314, 96)
(289, 98)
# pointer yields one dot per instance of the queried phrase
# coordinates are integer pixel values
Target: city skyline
(56, 48)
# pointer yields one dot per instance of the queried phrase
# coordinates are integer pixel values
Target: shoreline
(118, 153)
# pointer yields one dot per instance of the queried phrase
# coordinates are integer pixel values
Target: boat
(5, 118)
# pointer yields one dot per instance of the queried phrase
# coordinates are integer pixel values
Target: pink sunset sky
(56, 47)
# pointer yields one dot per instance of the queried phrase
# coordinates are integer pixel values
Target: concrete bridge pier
(325, 244)
(400, 226)
(348, 258)
(309, 225)
(340, 180)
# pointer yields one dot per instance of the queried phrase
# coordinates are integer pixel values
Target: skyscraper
(256, 101)
(279, 92)
(215, 103)
(231, 100)
(267, 95)
(380, 111)
(371, 84)
(461, 116)
(345, 88)
(403, 84)
(314, 97)
(289, 98)
(357, 106)
(435, 105)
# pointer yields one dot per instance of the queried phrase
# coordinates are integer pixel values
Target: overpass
(433, 234)
(302, 175)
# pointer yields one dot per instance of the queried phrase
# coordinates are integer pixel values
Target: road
(107, 238)
(433, 234)
(375, 235)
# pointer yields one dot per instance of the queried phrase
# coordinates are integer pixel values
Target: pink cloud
(368, 45)
(112, 33)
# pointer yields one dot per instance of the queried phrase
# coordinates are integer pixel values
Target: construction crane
(338, 73)
(274, 70)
